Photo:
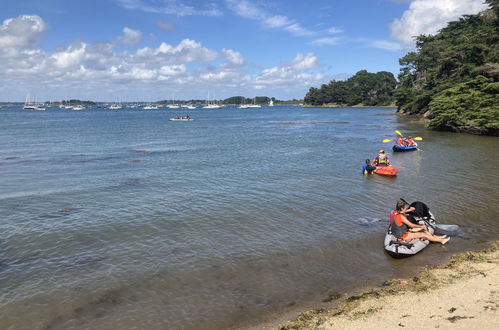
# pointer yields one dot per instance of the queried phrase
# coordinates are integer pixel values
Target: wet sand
(461, 294)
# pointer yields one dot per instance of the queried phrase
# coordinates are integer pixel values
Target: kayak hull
(386, 170)
(180, 119)
(398, 148)
(398, 249)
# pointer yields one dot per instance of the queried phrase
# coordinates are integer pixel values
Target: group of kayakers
(405, 142)
(407, 222)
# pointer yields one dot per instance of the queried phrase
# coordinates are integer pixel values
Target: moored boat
(184, 118)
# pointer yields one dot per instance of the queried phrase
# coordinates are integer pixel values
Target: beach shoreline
(459, 294)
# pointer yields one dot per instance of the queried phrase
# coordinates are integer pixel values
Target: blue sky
(140, 50)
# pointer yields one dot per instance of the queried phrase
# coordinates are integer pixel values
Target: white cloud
(101, 71)
(130, 36)
(171, 7)
(326, 41)
(70, 57)
(277, 21)
(233, 57)
(386, 45)
(165, 26)
(305, 62)
(21, 32)
(249, 10)
(429, 16)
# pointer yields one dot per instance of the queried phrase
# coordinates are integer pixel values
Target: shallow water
(125, 219)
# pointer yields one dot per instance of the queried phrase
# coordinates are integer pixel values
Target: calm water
(123, 219)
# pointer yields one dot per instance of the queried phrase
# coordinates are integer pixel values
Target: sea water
(124, 219)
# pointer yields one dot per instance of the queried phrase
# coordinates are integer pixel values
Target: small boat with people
(405, 144)
(402, 240)
(381, 165)
(182, 118)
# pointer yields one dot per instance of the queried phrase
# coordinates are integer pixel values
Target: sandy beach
(461, 294)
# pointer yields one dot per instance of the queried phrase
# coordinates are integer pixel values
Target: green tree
(450, 75)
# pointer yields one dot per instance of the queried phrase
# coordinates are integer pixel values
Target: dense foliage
(452, 78)
(364, 88)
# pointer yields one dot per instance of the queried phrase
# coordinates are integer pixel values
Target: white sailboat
(243, 105)
(115, 107)
(254, 105)
(212, 105)
(31, 105)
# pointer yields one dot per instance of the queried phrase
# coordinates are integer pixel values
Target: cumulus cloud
(186, 51)
(21, 32)
(172, 7)
(103, 71)
(233, 57)
(70, 57)
(429, 16)
(130, 36)
(293, 68)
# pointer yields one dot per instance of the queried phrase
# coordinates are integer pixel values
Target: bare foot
(445, 240)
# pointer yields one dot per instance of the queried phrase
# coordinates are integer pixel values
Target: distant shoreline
(347, 106)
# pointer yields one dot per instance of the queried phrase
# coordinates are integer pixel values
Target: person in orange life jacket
(402, 228)
(381, 159)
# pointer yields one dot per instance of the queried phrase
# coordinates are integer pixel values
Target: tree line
(364, 88)
(452, 78)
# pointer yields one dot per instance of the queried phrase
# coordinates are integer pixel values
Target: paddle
(442, 226)
(417, 138)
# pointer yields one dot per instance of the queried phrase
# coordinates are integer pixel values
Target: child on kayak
(403, 229)
(381, 159)
(368, 168)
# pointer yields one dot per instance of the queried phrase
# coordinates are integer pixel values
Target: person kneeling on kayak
(368, 168)
(403, 229)
(381, 159)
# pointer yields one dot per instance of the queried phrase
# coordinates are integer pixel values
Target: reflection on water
(125, 220)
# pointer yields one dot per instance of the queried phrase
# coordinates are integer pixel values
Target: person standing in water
(368, 168)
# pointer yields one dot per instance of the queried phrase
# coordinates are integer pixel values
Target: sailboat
(211, 105)
(243, 105)
(31, 105)
(271, 103)
(254, 105)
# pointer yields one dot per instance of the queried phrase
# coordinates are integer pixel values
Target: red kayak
(386, 170)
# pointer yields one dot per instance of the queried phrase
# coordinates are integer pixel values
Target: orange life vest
(397, 226)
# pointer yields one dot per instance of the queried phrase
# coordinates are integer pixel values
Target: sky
(148, 50)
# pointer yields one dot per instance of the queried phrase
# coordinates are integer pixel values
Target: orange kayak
(386, 170)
